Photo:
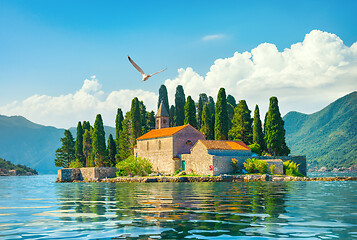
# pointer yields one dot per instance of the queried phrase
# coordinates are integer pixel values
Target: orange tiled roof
(163, 132)
(224, 145)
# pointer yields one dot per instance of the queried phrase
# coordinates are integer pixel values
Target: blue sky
(48, 48)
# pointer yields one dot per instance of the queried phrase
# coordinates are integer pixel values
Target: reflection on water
(177, 210)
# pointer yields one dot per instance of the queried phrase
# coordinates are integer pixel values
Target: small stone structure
(85, 174)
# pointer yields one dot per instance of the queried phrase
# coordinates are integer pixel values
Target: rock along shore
(223, 178)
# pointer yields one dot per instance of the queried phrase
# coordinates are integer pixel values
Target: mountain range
(327, 138)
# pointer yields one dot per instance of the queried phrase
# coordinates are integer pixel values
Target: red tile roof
(224, 145)
(163, 132)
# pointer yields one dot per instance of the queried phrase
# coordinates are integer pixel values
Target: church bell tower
(162, 117)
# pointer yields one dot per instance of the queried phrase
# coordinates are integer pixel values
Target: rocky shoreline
(223, 178)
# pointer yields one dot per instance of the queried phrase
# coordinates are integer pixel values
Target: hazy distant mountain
(31, 144)
(327, 137)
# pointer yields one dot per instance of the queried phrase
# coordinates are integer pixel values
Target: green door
(183, 165)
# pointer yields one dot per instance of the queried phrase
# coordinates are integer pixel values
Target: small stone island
(175, 152)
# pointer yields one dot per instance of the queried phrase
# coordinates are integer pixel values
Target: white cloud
(305, 77)
(212, 37)
(66, 110)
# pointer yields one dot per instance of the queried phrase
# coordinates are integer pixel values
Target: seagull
(145, 76)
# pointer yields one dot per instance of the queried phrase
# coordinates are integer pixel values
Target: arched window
(147, 146)
(159, 144)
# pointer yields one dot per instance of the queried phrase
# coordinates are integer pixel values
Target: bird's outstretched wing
(158, 72)
(136, 66)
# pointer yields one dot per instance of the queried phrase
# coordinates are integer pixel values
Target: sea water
(35, 207)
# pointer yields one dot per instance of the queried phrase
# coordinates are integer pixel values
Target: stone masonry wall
(160, 153)
(80, 174)
(300, 159)
(198, 161)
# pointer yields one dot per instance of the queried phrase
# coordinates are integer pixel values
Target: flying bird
(145, 76)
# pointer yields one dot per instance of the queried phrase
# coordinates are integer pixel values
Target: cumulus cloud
(305, 77)
(212, 37)
(66, 110)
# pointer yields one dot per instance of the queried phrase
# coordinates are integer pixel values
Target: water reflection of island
(210, 209)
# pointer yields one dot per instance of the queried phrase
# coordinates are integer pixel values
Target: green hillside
(27, 143)
(328, 137)
(6, 166)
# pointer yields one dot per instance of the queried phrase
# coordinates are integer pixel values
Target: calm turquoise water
(37, 208)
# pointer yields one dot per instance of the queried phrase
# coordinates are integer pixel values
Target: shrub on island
(134, 166)
(292, 169)
(253, 165)
(75, 164)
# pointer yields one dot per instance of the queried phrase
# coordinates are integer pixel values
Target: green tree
(211, 107)
(124, 140)
(230, 111)
(274, 130)
(221, 116)
(179, 106)
(242, 124)
(99, 152)
(118, 126)
(190, 112)
(231, 100)
(66, 154)
(87, 148)
(206, 127)
(172, 116)
(143, 118)
(112, 151)
(258, 136)
(86, 125)
(135, 119)
(202, 100)
(79, 145)
(151, 120)
(163, 97)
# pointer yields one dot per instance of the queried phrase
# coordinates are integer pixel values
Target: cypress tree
(118, 126)
(179, 106)
(274, 130)
(202, 100)
(231, 100)
(79, 145)
(242, 124)
(163, 97)
(151, 120)
(230, 111)
(258, 136)
(87, 148)
(211, 107)
(190, 112)
(143, 118)
(86, 125)
(66, 154)
(135, 119)
(124, 140)
(206, 127)
(112, 151)
(172, 116)
(99, 152)
(221, 116)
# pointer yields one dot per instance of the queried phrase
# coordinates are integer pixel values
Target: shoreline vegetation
(7, 168)
(222, 178)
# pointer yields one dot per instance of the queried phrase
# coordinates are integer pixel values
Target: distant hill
(7, 166)
(328, 137)
(27, 143)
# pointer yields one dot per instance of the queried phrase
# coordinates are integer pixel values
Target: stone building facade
(164, 147)
(214, 157)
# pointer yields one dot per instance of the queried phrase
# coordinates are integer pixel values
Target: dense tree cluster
(223, 120)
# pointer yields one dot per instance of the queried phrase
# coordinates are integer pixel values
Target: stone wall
(279, 169)
(80, 174)
(181, 138)
(300, 159)
(160, 153)
(198, 161)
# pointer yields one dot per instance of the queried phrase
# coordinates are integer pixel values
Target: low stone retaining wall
(223, 178)
(85, 174)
